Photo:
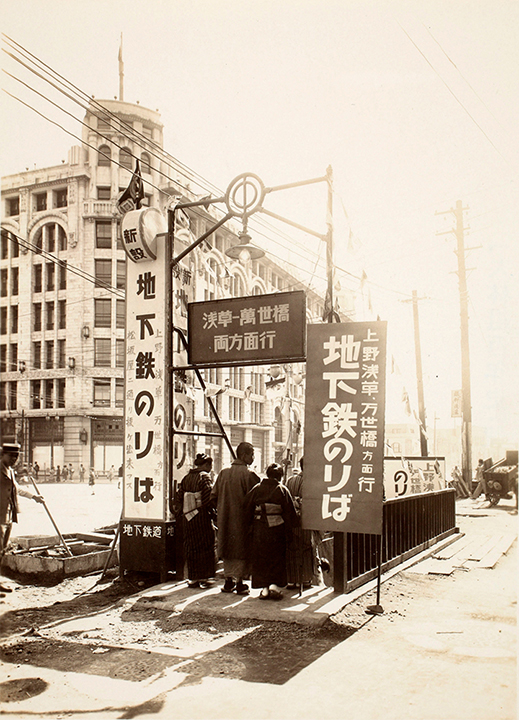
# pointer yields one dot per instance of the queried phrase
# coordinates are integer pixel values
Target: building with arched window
(62, 304)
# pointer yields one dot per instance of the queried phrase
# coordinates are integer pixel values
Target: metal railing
(410, 525)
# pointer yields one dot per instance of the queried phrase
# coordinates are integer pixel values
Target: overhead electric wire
(453, 93)
(190, 174)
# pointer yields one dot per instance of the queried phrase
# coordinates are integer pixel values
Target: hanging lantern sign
(140, 229)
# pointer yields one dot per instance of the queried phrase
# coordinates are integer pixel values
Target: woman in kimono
(303, 565)
(197, 514)
(270, 512)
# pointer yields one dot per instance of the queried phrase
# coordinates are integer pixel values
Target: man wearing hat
(9, 490)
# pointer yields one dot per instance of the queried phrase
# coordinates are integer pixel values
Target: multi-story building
(62, 304)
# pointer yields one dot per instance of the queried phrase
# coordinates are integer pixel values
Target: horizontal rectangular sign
(412, 476)
(248, 330)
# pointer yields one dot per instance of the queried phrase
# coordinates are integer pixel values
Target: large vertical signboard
(344, 427)
(146, 447)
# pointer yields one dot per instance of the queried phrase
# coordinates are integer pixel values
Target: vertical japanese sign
(145, 407)
(344, 427)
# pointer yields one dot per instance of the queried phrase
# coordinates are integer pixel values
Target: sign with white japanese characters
(248, 330)
(145, 443)
(411, 476)
(344, 427)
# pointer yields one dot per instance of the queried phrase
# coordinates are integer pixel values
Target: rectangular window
(119, 392)
(15, 275)
(40, 201)
(61, 392)
(119, 353)
(3, 358)
(37, 316)
(50, 272)
(62, 269)
(13, 395)
(61, 353)
(102, 313)
(36, 394)
(103, 193)
(102, 354)
(3, 320)
(256, 411)
(103, 273)
(3, 396)
(51, 237)
(49, 316)
(62, 314)
(103, 234)
(14, 319)
(147, 131)
(120, 308)
(103, 123)
(49, 394)
(235, 409)
(60, 198)
(13, 353)
(4, 244)
(3, 282)
(13, 206)
(36, 355)
(102, 392)
(62, 238)
(49, 354)
(121, 274)
(37, 278)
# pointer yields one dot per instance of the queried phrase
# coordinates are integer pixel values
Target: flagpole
(121, 71)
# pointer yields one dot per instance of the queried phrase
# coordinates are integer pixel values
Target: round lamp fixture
(245, 250)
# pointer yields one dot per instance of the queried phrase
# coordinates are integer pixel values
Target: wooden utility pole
(419, 378)
(466, 405)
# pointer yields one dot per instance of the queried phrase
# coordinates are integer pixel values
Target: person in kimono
(197, 514)
(269, 509)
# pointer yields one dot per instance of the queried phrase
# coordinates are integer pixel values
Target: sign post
(147, 529)
(344, 429)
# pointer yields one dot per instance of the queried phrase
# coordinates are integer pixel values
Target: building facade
(62, 304)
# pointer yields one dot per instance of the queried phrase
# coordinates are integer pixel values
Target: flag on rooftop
(134, 193)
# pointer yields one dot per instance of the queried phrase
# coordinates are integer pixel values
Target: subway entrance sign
(248, 330)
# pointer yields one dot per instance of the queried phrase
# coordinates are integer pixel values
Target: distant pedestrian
(58, 474)
(71, 472)
(81, 473)
(120, 476)
(270, 510)
(64, 473)
(481, 486)
(36, 469)
(228, 494)
(92, 479)
(196, 512)
(111, 473)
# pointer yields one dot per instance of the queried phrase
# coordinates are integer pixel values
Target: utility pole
(466, 404)
(419, 377)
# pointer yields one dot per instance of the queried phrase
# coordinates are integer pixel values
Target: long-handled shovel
(67, 549)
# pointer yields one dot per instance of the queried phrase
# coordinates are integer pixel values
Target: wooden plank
(493, 556)
(473, 546)
(451, 550)
(486, 547)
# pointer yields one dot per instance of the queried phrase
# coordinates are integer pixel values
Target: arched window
(237, 289)
(105, 156)
(145, 163)
(125, 158)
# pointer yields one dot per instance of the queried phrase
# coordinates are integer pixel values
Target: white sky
(284, 89)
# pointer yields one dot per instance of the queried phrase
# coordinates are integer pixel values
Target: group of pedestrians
(256, 523)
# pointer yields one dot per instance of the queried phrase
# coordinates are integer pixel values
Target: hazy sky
(415, 106)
